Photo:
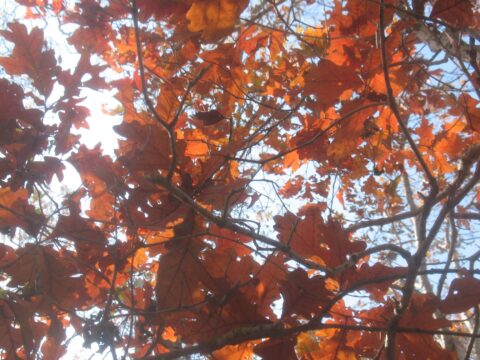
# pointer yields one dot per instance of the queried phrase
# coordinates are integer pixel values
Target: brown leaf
(328, 82)
(459, 13)
(303, 296)
(463, 294)
(311, 237)
(16, 211)
(210, 117)
(275, 349)
(29, 58)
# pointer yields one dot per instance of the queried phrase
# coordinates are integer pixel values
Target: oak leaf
(463, 294)
(329, 82)
(210, 117)
(274, 349)
(456, 12)
(16, 211)
(29, 58)
(214, 18)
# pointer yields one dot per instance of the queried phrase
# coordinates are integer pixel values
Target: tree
(293, 179)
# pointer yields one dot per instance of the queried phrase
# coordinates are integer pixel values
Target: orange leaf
(214, 18)
(472, 111)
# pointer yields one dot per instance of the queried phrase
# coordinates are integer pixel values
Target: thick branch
(240, 335)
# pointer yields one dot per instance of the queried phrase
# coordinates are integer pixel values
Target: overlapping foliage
(293, 179)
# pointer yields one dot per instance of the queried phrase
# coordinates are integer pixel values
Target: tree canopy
(292, 179)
